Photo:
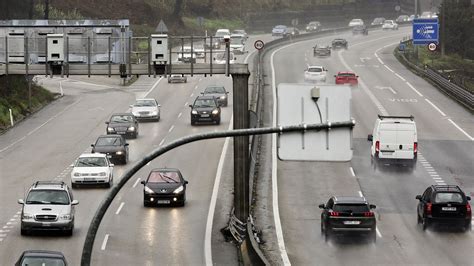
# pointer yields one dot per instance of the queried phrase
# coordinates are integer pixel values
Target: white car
(221, 58)
(146, 109)
(92, 168)
(221, 33)
(315, 74)
(199, 50)
(356, 22)
(389, 25)
(237, 43)
(185, 55)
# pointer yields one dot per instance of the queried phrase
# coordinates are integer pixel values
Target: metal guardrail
(461, 95)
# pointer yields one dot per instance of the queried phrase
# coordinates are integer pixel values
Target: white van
(394, 141)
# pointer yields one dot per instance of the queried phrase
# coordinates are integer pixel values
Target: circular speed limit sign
(432, 47)
(258, 44)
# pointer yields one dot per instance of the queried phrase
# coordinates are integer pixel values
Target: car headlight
(223, 97)
(102, 173)
(77, 174)
(215, 111)
(131, 129)
(194, 112)
(119, 153)
(65, 217)
(148, 190)
(110, 129)
(27, 216)
(154, 112)
(178, 190)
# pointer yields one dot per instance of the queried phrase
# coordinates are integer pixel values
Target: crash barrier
(458, 93)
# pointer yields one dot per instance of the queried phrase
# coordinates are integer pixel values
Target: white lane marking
(276, 210)
(400, 77)
(136, 183)
(437, 178)
(104, 243)
(186, 104)
(360, 193)
(352, 171)
(413, 88)
(212, 206)
(192, 94)
(120, 208)
(435, 107)
(161, 142)
(171, 128)
(153, 87)
(460, 129)
(378, 232)
(442, 184)
(195, 87)
(380, 60)
(180, 114)
(389, 68)
(36, 129)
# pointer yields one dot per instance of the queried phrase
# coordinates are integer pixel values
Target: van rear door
(396, 140)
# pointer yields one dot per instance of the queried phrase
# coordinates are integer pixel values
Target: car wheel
(418, 219)
(327, 235)
(373, 236)
(24, 232)
(468, 227)
(110, 183)
(158, 119)
(218, 121)
(146, 204)
(124, 159)
(322, 227)
(73, 185)
(192, 122)
(424, 223)
(68, 232)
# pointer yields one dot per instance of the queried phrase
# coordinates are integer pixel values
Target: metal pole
(227, 64)
(89, 57)
(26, 56)
(443, 27)
(241, 147)
(67, 57)
(6, 55)
(109, 45)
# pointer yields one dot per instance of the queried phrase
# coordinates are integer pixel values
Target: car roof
(49, 185)
(206, 97)
(111, 136)
(345, 72)
(44, 253)
(165, 169)
(215, 86)
(339, 39)
(315, 66)
(92, 155)
(446, 188)
(121, 114)
(349, 199)
(146, 99)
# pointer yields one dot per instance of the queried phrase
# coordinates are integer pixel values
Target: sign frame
(425, 31)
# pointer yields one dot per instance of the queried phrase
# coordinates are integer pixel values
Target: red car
(347, 78)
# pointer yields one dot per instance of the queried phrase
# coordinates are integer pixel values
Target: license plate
(45, 224)
(448, 209)
(89, 179)
(352, 222)
(204, 115)
(109, 156)
(121, 133)
(163, 202)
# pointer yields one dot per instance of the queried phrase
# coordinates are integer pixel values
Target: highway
(445, 137)
(44, 146)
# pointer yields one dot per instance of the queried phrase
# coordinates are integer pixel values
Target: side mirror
(322, 206)
(111, 165)
(191, 105)
(186, 182)
(235, 58)
(468, 197)
(107, 122)
(159, 105)
(370, 137)
(92, 145)
(418, 197)
(20, 201)
(372, 206)
(226, 92)
(143, 182)
(214, 59)
(131, 106)
(126, 144)
(71, 165)
(74, 202)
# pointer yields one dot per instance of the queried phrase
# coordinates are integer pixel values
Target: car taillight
(415, 147)
(377, 146)
(428, 208)
(333, 213)
(368, 214)
(468, 210)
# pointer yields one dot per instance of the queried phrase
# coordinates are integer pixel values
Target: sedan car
(41, 258)
(377, 21)
(315, 74)
(347, 78)
(219, 92)
(280, 31)
(237, 44)
(186, 56)
(122, 124)
(348, 215)
(146, 109)
(360, 29)
(313, 26)
(205, 109)
(389, 25)
(177, 78)
(322, 50)
(402, 18)
(114, 146)
(356, 22)
(293, 31)
(212, 42)
(92, 168)
(339, 43)
(241, 32)
(444, 204)
(164, 186)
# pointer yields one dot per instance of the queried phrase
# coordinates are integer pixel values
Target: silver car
(49, 205)
(146, 109)
(177, 78)
(218, 92)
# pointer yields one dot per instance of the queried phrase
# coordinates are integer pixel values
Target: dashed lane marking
(104, 243)
(435, 107)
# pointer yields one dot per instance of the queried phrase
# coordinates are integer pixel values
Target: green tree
(457, 16)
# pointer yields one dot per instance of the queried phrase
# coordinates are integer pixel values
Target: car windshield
(448, 197)
(280, 27)
(222, 33)
(35, 261)
(48, 196)
(214, 90)
(313, 23)
(200, 103)
(351, 208)
(388, 21)
(142, 103)
(315, 69)
(239, 31)
(121, 119)
(339, 40)
(236, 40)
(346, 74)
(108, 141)
(91, 162)
(164, 177)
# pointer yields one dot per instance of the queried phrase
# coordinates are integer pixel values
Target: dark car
(115, 146)
(293, 31)
(313, 26)
(339, 43)
(164, 186)
(321, 50)
(219, 92)
(346, 215)
(123, 124)
(205, 109)
(360, 29)
(444, 204)
(41, 257)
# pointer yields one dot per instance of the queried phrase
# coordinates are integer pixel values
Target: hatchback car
(444, 204)
(313, 26)
(186, 56)
(321, 50)
(48, 205)
(315, 74)
(205, 109)
(360, 29)
(377, 21)
(177, 78)
(356, 22)
(346, 215)
(237, 44)
(346, 78)
(124, 124)
(280, 31)
(241, 32)
(389, 25)
(92, 168)
(164, 186)
(114, 146)
(221, 58)
(41, 258)
(219, 92)
(339, 43)
(146, 109)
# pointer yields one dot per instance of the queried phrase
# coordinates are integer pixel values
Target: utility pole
(443, 26)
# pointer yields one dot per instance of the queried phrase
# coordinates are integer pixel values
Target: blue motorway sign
(425, 31)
